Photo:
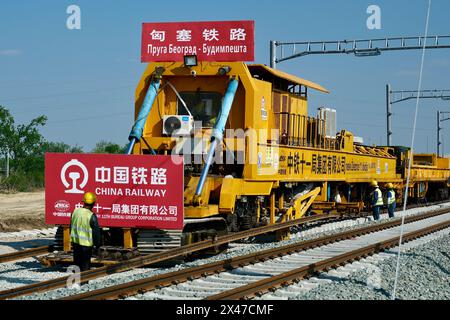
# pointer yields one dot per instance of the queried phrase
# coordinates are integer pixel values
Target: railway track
(268, 284)
(157, 257)
(61, 282)
(246, 276)
(22, 254)
(33, 252)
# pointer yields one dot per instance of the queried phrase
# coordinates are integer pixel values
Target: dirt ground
(22, 211)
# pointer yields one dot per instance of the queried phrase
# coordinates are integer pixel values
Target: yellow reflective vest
(81, 231)
(391, 197)
(379, 195)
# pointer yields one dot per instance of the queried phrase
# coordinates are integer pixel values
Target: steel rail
(22, 254)
(156, 257)
(173, 253)
(269, 284)
(164, 280)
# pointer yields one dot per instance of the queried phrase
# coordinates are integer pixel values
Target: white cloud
(10, 52)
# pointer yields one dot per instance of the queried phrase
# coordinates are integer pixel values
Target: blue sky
(84, 80)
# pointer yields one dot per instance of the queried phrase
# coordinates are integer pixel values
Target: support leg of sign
(127, 239)
(66, 239)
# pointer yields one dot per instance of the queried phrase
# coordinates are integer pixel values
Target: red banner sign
(132, 190)
(210, 41)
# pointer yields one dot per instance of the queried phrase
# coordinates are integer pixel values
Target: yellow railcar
(269, 153)
(254, 155)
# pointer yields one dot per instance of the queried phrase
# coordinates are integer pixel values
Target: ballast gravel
(29, 270)
(235, 250)
(35, 233)
(424, 275)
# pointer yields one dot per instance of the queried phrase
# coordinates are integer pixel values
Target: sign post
(132, 192)
(209, 41)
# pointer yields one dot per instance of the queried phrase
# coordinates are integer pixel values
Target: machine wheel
(203, 229)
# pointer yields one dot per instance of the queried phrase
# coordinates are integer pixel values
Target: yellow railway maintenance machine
(253, 156)
(276, 161)
(430, 176)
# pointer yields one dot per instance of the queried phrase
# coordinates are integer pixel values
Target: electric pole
(393, 97)
(439, 129)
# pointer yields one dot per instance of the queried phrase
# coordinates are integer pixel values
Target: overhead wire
(397, 269)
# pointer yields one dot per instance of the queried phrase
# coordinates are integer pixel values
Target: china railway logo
(62, 206)
(74, 175)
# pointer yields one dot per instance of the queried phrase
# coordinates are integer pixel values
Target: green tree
(6, 130)
(108, 147)
(61, 147)
(26, 147)
(23, 142)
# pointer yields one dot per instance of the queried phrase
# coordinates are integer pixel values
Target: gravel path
(424, 275)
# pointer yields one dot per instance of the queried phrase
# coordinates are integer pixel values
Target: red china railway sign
(209, 41)
(132, 190)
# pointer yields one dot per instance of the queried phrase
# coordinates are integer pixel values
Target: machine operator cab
(203, 106)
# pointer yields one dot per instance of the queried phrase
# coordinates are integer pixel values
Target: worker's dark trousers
(82, 256)
(391, 210)
(376, 212)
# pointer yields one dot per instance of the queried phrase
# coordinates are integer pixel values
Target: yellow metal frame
(291, 78)
(297, 210)
(66, 239)
(127, 238)
(300, 206)
(232, 189)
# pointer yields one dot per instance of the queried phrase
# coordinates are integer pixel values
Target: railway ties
(154, 258)
(384, 239)
(279, 268)
(166, 279)
(246, 276)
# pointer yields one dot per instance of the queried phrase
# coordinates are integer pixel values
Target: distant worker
(391, 202)
(377, 200)
(84, 232)
(337, 196)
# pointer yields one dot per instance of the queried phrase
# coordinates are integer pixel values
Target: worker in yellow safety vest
(377, 200)
(391, 202)
(84, 232)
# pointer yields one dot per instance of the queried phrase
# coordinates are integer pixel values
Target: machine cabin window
(204, 106)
